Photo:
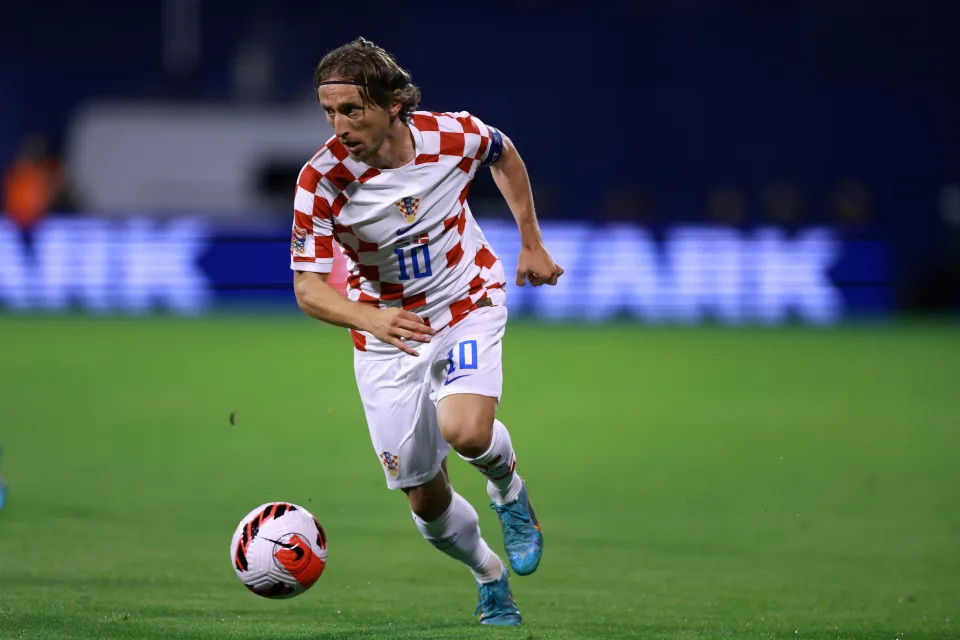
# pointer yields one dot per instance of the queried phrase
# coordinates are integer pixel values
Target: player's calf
(456, 532)
(429, 501)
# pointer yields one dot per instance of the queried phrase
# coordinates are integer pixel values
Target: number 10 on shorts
(466, 359)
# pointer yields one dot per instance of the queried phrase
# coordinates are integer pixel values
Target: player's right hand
(394, 325)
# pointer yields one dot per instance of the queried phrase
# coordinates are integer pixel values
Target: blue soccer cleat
(522, 536)
(496, 606)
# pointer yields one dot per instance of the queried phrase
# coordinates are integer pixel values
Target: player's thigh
(401, 417)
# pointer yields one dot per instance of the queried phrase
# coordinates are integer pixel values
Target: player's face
(361, 128)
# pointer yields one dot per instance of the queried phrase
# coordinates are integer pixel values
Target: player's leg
(468, 423)
(401, 417)
(468, 393)
(450, 524)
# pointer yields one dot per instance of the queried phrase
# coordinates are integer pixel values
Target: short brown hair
(374, 70)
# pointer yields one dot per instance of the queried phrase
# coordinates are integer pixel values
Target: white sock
(498, 464)
(457, 534)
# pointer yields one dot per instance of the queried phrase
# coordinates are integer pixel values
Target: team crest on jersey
(298, 243)
(390, 462)
(408, 207)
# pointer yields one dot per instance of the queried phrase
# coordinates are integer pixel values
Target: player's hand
(394, 325)
(537, 266)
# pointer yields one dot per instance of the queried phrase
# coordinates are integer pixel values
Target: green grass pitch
(692, 483)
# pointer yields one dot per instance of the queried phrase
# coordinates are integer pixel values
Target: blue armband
(496, 147)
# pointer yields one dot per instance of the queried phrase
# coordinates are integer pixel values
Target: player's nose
(340, 127)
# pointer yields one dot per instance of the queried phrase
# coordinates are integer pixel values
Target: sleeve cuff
(324, 265)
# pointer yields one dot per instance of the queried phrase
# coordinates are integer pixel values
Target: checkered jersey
(408, 235)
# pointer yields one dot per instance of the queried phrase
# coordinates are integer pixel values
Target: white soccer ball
(279, 550)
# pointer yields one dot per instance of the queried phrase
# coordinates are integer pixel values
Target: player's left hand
(536, 265)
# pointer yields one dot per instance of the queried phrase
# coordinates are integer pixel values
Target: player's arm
(319, 300)
(510, 175)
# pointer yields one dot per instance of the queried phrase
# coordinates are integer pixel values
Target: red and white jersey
(407, 233)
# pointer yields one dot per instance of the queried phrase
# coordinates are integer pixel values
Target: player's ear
(397, 102)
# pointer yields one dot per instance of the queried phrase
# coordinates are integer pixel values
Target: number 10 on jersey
(418, 257)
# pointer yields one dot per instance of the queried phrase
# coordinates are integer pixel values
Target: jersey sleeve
(311, 241)
(492, 139)
(483, 142)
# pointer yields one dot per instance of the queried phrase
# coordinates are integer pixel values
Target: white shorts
(400, 392)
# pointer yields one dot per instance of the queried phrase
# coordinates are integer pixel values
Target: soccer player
(425, 298)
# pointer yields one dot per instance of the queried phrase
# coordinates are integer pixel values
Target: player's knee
(469, 435)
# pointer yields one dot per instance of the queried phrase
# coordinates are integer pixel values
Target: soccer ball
(278, 550)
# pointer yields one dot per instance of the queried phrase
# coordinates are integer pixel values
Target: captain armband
(496, 147)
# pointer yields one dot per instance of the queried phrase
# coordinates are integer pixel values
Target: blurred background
(692, 160)
(725, 166)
